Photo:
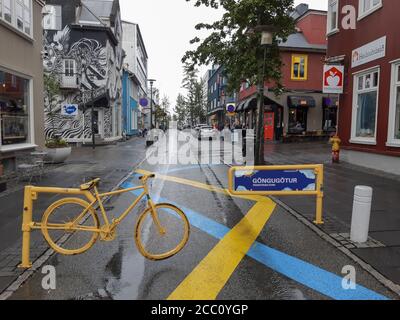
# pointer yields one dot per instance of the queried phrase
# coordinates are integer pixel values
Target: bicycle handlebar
(145, 177)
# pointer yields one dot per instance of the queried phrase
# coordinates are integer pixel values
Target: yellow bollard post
(320, 196)
(27, 228)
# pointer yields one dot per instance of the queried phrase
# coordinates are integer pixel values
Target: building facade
(21, 80)
(302, 111)
(134, 79)
(83, 53)
(218, 98)
(369, 118)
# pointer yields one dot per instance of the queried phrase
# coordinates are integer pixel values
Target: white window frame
(331, 4)
(13, 24)
(65, 67)
(394, 84)
(364, 13)
(361, 140)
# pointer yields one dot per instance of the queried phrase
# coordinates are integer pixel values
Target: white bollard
(361, 214)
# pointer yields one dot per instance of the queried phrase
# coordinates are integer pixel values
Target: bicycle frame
(31, 194)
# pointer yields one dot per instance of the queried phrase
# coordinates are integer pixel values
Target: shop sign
(70, 110)
(333, 79)
(370, 52)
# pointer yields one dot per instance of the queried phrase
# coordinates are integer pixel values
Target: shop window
(297, 120)
(366, 7)
(14, 109)
(394, 116)
(365, 106)
(333, 16)
(299, 67)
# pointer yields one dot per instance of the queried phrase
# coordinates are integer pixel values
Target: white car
(207, 132)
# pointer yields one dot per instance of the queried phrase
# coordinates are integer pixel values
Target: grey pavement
(110, 163)
(382, 251)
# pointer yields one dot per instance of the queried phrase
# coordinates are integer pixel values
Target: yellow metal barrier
(30, 195)
(318, 192)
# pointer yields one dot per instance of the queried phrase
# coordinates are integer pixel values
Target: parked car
(207, 132)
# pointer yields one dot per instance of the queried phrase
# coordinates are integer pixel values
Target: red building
(369, 118)
(302, 110)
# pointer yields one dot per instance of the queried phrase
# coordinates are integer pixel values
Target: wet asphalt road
(116, 270)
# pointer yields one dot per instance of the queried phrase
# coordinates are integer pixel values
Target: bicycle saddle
(90, 185)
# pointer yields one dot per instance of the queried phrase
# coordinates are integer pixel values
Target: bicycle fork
(154, 214)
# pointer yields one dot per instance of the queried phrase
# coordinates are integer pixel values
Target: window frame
(14, 19)
(329, 17)
(370, 71)
(392, 141)
(73, 69)
(364, 13)
(292, 76)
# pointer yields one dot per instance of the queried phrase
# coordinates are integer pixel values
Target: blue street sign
(231, 108)
(69, 110)
(144, 102)
(275, 180)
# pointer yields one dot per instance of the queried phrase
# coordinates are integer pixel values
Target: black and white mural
(87, 64)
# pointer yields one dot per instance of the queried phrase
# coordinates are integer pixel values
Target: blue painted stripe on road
(307, 274)
(197, 220)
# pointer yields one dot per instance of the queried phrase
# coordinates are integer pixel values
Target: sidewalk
(382, 252)
(110, 163)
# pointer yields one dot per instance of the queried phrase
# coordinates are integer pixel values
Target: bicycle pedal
(109, 208)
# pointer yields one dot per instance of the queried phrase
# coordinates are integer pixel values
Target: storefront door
(269, 126)
(298, 120)
(98, 127)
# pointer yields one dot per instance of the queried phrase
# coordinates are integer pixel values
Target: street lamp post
(151, 102)
(266, 41)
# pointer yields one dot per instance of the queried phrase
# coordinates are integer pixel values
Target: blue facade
(130, 107)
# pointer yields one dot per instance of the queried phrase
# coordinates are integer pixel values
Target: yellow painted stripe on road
(203, 186)
(208, 279)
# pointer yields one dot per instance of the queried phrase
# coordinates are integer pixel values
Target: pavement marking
(203, 186)
(208, 279)
(309, 275)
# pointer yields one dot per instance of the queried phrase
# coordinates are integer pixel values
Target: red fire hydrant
(335, 141)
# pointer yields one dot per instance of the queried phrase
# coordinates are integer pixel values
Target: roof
(101, 8)
(298, 41)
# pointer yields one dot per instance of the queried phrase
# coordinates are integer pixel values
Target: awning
(240, 107)
(250, 104)
(301, 102)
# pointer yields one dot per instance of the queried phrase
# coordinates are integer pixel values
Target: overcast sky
(167, 27)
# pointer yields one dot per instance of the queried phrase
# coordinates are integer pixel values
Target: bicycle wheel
(60, 221)
(157, 246)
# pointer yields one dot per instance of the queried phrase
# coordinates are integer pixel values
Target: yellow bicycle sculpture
(162, 230)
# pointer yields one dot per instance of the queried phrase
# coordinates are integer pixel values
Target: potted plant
(57, 150)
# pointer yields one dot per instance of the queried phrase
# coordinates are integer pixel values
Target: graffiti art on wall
(94, 69)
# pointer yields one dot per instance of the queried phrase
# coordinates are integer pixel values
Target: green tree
(51, 93)
(180, 110)
(233, 45)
